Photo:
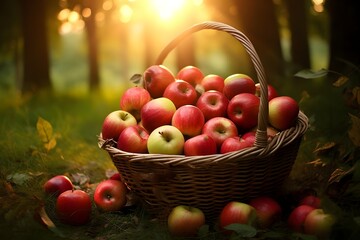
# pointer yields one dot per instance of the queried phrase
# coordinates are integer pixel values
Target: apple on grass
(190, 74)
(110, 195)
(133, 100)
(243, 110)
(283, 112)
(237, 212)
(156, 113)
(311, 200)
(189, 120)
(115, 122)
(238, 83)
(166, 139)
(200, 145)
(213, 104)
(268, 210)
(219, 129)
(156, 79)
(181, 93)
(185, 221)
(133, 139)
(116, 176)
(319, 223)
(297, 217)
(236, 143)
(74, 207)
(213, 82)
(57, 185)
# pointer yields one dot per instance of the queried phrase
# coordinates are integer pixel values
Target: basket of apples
(202, 140)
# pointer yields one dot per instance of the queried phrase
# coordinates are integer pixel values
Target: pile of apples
(193, 114)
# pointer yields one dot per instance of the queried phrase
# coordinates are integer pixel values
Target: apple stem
(165, 136)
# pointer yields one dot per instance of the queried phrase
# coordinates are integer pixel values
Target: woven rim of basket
(262, 146)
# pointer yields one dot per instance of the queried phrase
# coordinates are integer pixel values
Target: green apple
(166, 139)
(319, 223)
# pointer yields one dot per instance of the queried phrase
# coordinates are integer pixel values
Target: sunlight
(166, 9)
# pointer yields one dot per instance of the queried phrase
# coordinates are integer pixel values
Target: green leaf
(44, 129)
(18, 178)
(242, 230)
(203, 231)
(310, 74)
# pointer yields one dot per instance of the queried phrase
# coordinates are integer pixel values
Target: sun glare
(166, 9)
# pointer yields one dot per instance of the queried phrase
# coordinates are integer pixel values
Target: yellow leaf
(44, 129)
(50, 145)
(354, 132)
(340, 81)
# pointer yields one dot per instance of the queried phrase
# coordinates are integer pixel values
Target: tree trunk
(35, 46)
(299, 48)
(94, 79)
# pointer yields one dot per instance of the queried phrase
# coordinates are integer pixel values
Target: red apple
(133, 100)
(185, 221)
(238, 83)
(156, 79)
(110, 195)
(189, 120)
(213, 104)
(156, 113)
(74, 207)
(297, 217)
(250, 137)
(181, 93)
(268, 210)
(133, 139)
(116, 176)
(243, 110)
(57, 185)
(232, 144)
(220, 128)
(272, 93)
(319, 223)
(283, 112)
(190, 74)
(166, 139)
(200, 145)
(237, 212)
(311, 200)
(115, 122)
(213, 82)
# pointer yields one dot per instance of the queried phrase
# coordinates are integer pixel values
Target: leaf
(18, 178)
(44, 218)
(136, 78)
(338, 174)
(203, 231)
(44, 129)
(317, 162)
(50, 145)
(242, 230)
(354, 132)
(340, 81)
(326, 148)
(310, 74)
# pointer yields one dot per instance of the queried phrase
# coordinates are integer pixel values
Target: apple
(243, 110)
(157, 112)
(319, 223)
(272, 93)
(166, 139)
(181, 93)
(250, 137)
(115, 122)
(190, 74)
(297, 217)
(133, 139)
(110, 195)
(213, 104)
(268, 210)
(156, 79)
(133, 100)
(237, 212)
(189, 120)
(311, 200)
(57, 185)
(74, 207)
(238, 83)
(283, 112)
(185, 221)
(232, 144)
(200, 145)
(116, 176)
(220, 128)
(212, 82)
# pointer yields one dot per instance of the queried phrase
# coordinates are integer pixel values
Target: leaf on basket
(310, 74)
(354, 132)
(136, 79)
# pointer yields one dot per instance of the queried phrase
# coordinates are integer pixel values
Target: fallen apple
(57, 185)
(110, 195)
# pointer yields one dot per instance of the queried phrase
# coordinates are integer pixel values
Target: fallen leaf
(310, 74)
(340, 81)
(45, 130)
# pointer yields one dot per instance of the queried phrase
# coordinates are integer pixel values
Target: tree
(35, 46)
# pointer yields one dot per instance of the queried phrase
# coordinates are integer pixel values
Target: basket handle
(261, 134)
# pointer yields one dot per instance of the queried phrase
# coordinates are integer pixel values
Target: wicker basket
(209, 182)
